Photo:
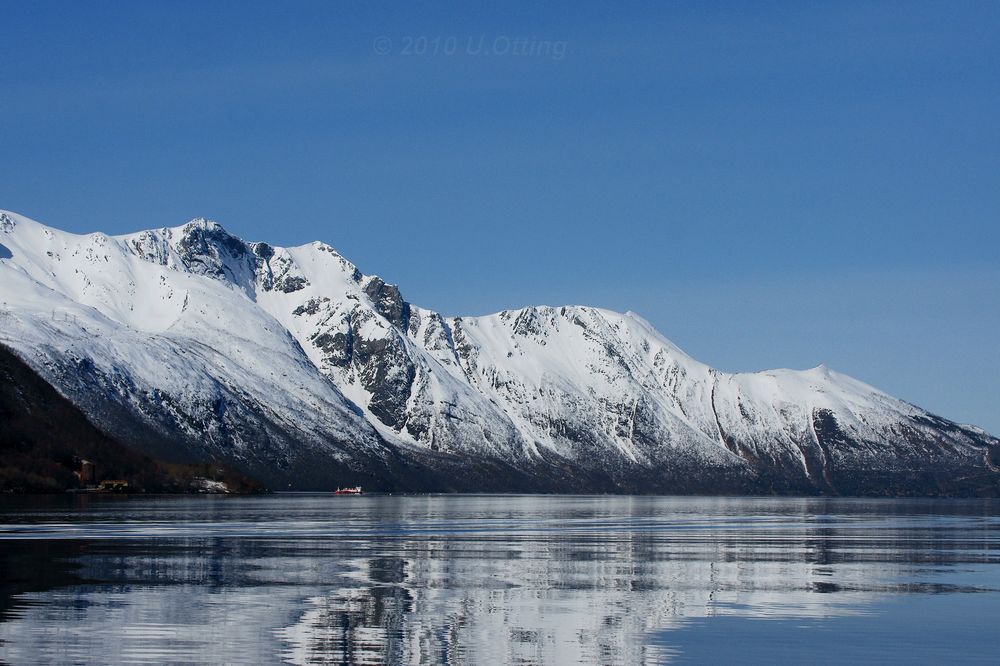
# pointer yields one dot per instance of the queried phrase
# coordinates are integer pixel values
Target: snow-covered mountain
(191, 344)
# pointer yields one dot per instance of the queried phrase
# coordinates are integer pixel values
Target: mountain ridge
(287, 360)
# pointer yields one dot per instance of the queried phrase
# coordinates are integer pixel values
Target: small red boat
(356, 490)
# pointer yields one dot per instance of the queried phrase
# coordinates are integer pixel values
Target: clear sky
(771, 184)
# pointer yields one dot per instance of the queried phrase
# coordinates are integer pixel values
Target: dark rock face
(356, 343)
(527, 322)
(389, 302)
(386, 371)
(311, 307)
(291, 283)
(276, 272)
(464, 350)
(338, 347)
(827, 431)
(263, 250)
(208, 249)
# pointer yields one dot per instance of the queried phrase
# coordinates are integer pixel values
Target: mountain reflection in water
(484, 579)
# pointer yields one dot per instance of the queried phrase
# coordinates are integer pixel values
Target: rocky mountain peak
(388, 301)
(206, 248)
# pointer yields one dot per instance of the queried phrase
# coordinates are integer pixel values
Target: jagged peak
(202, 230)
(387, 300)
(203, 224)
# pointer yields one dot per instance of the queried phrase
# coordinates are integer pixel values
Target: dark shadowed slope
(43, 436)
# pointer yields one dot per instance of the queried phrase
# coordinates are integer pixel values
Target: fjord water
(497, 579)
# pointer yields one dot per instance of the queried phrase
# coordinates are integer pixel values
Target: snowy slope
(189, 365)
(291, 360)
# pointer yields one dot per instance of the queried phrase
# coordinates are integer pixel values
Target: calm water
(497, 579)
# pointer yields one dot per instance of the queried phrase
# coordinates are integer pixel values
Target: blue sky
(771, 184)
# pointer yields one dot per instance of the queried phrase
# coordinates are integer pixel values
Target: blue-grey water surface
(459, 579)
